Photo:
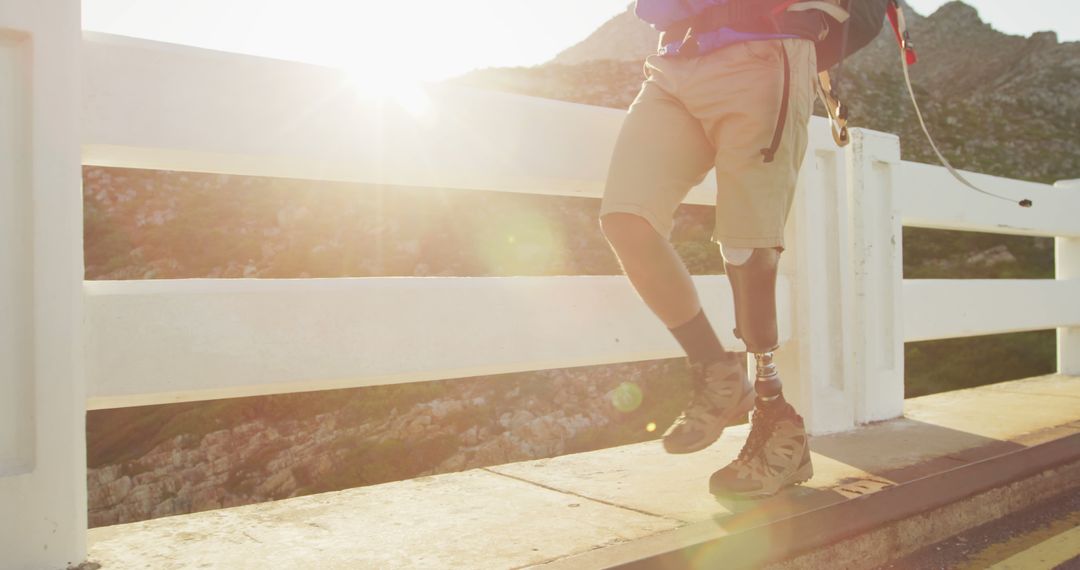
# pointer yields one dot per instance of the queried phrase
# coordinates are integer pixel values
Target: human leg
(721, 389)
(660, 154)
(653, 267)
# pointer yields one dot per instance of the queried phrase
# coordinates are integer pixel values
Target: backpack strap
(785, 99)
(835, 11)
(838, 112)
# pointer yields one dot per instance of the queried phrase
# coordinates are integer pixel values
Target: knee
(627, 231)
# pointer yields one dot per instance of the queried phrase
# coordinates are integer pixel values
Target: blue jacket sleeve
(663, 13)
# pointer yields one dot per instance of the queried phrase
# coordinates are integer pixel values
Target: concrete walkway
(567, 511)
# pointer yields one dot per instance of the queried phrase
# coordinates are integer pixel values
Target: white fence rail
(950, 308)
(146, 106)
(152, 342)
(930, 197)
(846, 310)
(844, 302)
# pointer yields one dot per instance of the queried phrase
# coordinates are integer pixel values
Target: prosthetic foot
(776, 453)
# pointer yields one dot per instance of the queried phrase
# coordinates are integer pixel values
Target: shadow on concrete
(904, 449)
(890, 453)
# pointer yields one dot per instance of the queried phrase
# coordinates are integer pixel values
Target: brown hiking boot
(776, 455)
(722, 396)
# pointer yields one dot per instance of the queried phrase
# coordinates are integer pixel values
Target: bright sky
(386, 37)
(378, 36)
(1020, 17)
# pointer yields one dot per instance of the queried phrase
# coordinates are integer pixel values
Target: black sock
(698, 339)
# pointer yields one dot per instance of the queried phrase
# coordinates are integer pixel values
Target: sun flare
(385, 84)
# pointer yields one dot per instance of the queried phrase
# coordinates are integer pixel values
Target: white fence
(845, 309)
(160, 341)
(147, 106)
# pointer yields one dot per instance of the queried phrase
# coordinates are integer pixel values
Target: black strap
(843, 52)
(781, 121)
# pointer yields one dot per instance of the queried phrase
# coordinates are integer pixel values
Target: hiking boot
(776, 455)
(722, 396)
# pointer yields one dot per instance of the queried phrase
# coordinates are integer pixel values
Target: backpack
(851, 28)
(851, 25)
(863, 24)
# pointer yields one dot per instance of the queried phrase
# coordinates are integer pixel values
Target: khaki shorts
(716, 111)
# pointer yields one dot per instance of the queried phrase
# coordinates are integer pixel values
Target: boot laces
(701, 401)
(761, 427)
(697, 403)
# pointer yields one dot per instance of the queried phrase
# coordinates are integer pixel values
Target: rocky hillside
(996, 103)
(622, 38)
(204, 456)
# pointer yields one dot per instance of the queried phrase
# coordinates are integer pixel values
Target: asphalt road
(1043, 536)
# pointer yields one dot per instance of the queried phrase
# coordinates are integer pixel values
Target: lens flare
(626, 397)
(521, 243)
(391, 86)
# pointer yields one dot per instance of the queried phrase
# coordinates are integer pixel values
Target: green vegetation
(944, 365)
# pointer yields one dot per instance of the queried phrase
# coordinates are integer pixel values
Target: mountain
(968, 73)
(622, 38)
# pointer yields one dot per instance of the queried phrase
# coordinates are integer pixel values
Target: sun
(389, 84)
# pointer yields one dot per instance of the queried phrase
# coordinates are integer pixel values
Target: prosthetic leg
(753, 284)
(777, 451)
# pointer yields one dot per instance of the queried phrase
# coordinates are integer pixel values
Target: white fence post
(845, 363)
(1067, 264)
(877, 269)
(817, 376)
(42, 394)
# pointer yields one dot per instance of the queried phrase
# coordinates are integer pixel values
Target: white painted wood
(42, 392)
(877, 267)
(949, 308)
(16, 258)
(1067, 266)
(168, 341)
(1067, 257)
(815, 363)
(931, 198)
(147, 105)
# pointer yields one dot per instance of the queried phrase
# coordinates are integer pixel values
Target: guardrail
(841, 299)
(845, 308)
(844, 304)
